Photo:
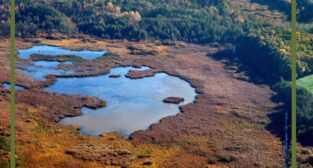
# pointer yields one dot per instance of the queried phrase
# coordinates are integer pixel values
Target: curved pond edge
(105, 52)
(179, 107)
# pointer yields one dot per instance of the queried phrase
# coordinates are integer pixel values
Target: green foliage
(306, 82)
(305, 115)
(304, 110)
(262, 54)
(267, 51)
(186, 20)
(200, 21)
(4, 143)
(193, 21)
(33, 17)
(4, 164)
(305, 10)
(261, 45)
(280, 5)
(39, 16)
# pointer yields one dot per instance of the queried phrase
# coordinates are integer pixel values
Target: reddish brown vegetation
(137, 74)
(224, 127)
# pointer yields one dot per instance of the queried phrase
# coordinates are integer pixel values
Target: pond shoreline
(209, 122)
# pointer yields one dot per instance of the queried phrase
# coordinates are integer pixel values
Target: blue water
(17, 88)
(40, 69)
(132, 104)
(47, 64)
(55, 51)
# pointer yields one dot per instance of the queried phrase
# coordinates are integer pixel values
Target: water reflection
(39, 69)
(57, 51)
(131, 104)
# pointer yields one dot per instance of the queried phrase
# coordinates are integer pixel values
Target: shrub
(4, 143)
(304, 110)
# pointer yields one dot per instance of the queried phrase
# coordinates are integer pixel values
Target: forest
(197, 21)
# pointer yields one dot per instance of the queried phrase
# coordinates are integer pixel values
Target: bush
(4, 143)
(264, 58)
(304, 110)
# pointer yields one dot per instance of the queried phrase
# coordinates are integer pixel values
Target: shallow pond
(132, 104)
(57, 51)
(50, 64)
(39, 69)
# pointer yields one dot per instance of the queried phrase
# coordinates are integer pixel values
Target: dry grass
(206, 130)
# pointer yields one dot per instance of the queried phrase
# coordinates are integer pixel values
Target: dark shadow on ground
(232, 63)
(278, 121)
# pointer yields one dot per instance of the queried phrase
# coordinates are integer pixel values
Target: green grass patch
(306, 82)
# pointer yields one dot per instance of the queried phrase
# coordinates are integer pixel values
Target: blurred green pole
(12, 82)
(294, 86)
